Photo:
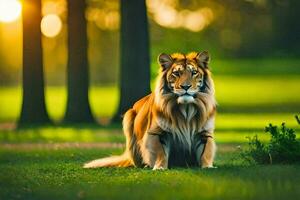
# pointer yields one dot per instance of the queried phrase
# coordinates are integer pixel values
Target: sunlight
(104, 19)
(51, 25)
(10, 10)
(167, 15)
(194, 21)
(51, 7)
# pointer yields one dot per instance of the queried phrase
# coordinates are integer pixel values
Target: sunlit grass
(114, 135)
(61, 134)
(257, 121)
(257, 90)
(103, 102)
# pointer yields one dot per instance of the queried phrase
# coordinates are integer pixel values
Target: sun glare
(51, 25)
(10, 10)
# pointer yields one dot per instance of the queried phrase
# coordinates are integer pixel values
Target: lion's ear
(203, 58)
(165, 61)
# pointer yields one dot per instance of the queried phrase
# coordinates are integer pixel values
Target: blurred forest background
(229, 29)
(265, 32)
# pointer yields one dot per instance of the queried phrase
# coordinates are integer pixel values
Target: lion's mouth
(187, 94)
(185, 99)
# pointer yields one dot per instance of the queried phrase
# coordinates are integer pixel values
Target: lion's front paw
(159, 168)
(209, 167)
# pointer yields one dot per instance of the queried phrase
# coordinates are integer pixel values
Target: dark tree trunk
(33, 106)
(78, 107)
(286, 26)
(135, 64)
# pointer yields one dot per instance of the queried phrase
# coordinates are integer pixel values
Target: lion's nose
(185, 87)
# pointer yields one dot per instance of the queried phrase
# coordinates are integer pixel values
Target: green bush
(283, 147)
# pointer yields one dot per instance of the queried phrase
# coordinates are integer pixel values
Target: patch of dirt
(8, 126)
(222, 148)
(55, 146)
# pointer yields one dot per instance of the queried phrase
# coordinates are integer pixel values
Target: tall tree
(33, 106)
(285, 24)
(135, 62)
(78, 107)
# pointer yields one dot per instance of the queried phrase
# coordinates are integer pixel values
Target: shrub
(283, 146)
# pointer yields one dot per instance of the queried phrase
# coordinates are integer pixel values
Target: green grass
(103, 101)
(57, 174)
(258, 94)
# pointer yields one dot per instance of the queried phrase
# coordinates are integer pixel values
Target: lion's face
(185, 80)
(184, 74)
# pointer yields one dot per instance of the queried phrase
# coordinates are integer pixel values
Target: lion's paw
(209, 167)
(159, 168)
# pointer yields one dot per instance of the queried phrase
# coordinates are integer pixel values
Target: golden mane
(179, 119)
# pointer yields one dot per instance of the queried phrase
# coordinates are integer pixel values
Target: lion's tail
(125, 159)
(113, 161)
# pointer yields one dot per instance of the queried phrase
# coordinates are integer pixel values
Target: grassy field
(45, 162)
(57, 174)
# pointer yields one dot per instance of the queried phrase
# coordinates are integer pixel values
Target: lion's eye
(194, 72)
(201, 80)
(175, 73)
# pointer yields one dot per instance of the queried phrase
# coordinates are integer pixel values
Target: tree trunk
(286, 24)
(33, 106)
(78, 107)
(135, 64)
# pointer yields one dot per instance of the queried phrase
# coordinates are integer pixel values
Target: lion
(174, 125)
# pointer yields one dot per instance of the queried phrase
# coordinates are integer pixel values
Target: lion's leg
(132, 147)
(205, 150)
(208, 155)
(153, 152)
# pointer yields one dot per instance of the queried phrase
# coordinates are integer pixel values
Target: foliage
(257, 151)
(283, 146)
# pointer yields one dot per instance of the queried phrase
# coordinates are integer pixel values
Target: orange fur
(182, 106)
